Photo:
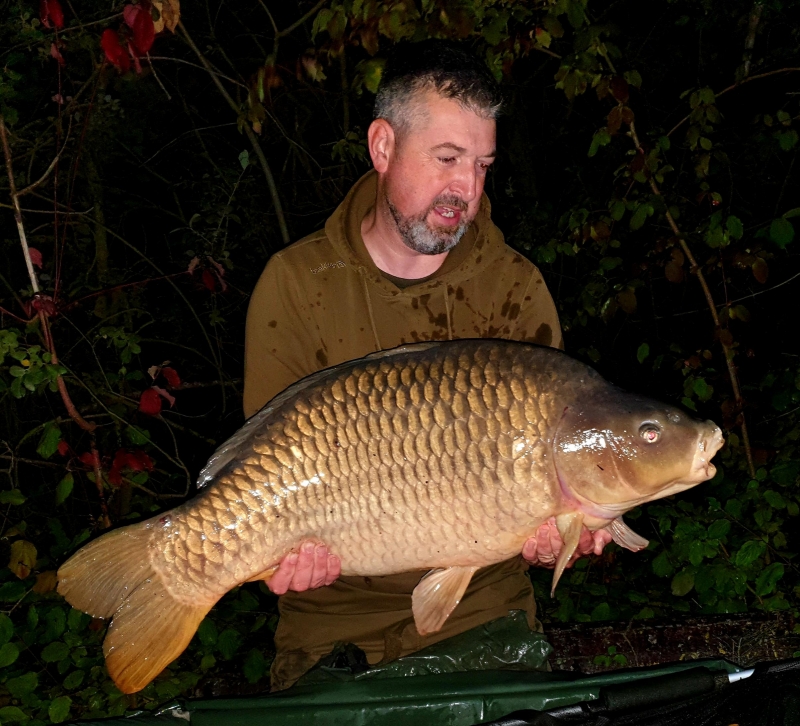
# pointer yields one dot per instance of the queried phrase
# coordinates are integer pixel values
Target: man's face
(434, 179)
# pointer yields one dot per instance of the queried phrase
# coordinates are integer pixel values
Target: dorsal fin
(229, 450)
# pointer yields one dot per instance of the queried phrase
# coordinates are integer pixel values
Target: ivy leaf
(768, 579)
(601, 138)
(735, 227)
(244, 159)
(642, 352)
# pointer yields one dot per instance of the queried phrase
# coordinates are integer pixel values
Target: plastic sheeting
(451, 699)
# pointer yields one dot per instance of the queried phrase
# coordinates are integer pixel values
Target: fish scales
(437, 455)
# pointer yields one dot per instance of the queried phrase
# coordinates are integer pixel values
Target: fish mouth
(707, 447)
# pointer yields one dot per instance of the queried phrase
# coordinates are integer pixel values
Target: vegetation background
(159, 155)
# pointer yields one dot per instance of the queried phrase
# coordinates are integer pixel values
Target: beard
(422, 237)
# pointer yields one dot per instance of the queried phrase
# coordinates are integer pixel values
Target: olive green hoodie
(323, 301)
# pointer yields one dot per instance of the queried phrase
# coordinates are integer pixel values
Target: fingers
(280, 581)
(601, 538)
(312, 567)
(334, 569)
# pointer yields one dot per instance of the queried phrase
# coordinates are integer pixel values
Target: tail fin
(113, 577)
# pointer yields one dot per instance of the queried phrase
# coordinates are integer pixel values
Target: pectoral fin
(569, 527)
(625, 537)
(437, 595)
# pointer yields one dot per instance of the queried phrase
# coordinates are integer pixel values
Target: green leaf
(617, 209)
(255, 666)
(55, 652)
(12, 496)
(8, 654)
(48, 444)
(137, 436)
(639, 217)
(207, 632)
(682, 583)
(633, 78)
(642, 352)
(64, 488)
(228, 643)
(719, 529)
(59, 709)
(768, 579)
(734, 227)
(22, 685)
(662, 566)
(749, 552)
(702, 390)
(73, 680)
(601, 138)
(792, 213)
(11, 714)
(781, 232)
(244, 159)
(12, 591)
(601, 612)
(6, 629)
(774, 499)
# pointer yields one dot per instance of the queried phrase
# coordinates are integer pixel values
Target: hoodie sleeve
(277, 345)
(538, 318)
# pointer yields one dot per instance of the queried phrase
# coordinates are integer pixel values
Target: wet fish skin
(443, 456)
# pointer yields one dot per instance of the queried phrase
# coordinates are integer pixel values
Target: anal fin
(625, 537)
(569, 527)
(437, 595)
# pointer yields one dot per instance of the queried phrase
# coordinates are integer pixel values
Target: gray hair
(444, 67)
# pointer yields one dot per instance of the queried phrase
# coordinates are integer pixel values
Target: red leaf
(619, 89)
(172, 377)
(87, 459)
(63, 447)
(143, 32)
(115, 53)
(139, 461)
(150, 402)
(50, 12)
(166, 395)
(130, 13)
(36, 257)
(208, 280)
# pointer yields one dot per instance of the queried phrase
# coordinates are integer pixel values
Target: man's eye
(484, 165)
(447, 159)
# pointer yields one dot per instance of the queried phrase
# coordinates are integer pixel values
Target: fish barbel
(443, 457)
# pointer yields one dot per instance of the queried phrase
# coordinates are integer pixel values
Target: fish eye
(650, 433)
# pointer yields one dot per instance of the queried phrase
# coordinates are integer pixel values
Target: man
(411, 254)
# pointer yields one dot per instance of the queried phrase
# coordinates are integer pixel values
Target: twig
(28, 189)
(698, 272)
(98, 481)
(151, 58)
(731, 88)
(297, 23)
(750, 40)
(158, 78)
(273, 189)
(43, 318)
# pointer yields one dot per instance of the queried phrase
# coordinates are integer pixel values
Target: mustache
(450, 200)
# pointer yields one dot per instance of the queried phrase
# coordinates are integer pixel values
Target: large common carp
(436, 456)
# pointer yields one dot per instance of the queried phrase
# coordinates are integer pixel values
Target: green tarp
(454, 699)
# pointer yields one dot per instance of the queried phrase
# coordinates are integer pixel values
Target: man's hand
(313, 566)
(543, 548)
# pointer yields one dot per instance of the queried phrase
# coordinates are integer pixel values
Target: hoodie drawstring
(447, 312)
(369, 310)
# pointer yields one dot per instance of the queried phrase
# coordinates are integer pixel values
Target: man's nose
(465, 182)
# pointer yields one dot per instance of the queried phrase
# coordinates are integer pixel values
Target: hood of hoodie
(482, 243)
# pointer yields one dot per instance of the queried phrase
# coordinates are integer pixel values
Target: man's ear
(381, 141)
